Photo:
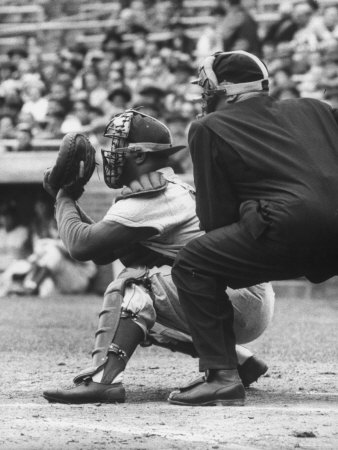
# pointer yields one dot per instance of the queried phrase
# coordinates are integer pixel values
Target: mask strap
(241, 88)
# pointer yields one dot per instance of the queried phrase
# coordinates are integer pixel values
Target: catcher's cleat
(219, 388)
(87, 392)
(251, 370)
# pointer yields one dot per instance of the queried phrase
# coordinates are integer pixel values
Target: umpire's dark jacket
(274, 166)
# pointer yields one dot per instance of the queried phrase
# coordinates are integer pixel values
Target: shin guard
(128, 336)
(110, 319)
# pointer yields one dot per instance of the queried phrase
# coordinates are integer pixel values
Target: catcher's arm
(83, 215)
(101, 242)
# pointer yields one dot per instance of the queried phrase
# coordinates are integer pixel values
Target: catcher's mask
(133, 131)
(247, 73)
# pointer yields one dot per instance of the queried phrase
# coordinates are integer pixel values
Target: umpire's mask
(230, 73)
(133, 131)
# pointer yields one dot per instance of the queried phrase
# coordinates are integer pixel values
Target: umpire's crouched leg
(202, 293)
(209, 313)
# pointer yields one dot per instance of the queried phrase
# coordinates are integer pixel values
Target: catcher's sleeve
(73, 232)
(83, 215)
(216, 203)
(93, 241)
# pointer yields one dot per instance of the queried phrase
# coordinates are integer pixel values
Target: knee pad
(138, 305)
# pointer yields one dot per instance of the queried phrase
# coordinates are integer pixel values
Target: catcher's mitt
(74, 164)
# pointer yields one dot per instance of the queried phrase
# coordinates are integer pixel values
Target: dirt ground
(44, 343)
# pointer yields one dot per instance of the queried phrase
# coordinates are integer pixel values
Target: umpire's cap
(241, 68)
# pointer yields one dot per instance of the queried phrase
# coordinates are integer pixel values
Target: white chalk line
(314, 405)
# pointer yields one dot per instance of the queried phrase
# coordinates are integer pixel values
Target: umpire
(266, 176)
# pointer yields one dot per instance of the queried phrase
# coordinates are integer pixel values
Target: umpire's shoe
(87, 392)
(219, 387)
(251, 370)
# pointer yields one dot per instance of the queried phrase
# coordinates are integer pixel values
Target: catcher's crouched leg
(126, 315)
(253, 311)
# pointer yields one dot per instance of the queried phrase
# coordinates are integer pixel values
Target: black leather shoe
(251, 370)
(87, 392)
(221, 387)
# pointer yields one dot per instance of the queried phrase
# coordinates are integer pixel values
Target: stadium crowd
(51, 86)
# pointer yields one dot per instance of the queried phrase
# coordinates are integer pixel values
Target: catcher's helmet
(244, 71)
(133, 131)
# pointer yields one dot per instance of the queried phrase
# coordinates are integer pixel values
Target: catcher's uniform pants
(206, 266)
(253, 307)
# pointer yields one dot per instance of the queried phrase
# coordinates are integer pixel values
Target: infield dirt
(44, 343)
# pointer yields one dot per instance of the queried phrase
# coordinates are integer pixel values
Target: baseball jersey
(171, 212)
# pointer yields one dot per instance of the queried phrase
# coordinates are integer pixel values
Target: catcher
(153, 217)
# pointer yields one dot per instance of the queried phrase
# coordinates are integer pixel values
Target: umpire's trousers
(227, 256)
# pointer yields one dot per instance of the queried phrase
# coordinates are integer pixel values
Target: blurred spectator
(14, 236)
(24, 138)
(60, 94)
(184, 72)
(240, 29)
(211, 38)
(78, 118)
(112, 44)
(294, 25)
(325, 26)
(156, 75)
(43, 224)
(17, 54)
(10, 99)
(163, 13)
(7, 128)
(91, 84)
(119, 99)
(48, 269)
(34, 101)
(179, 40)
(131, 75)
(52, 130)
(281, 78)
(284, 28)
(304, 35)
(329, 79)
(286, 92)
(309, 82)
(71, 60)
(7, 70)
(139, 11)
(51, 270)
(151, 93)
(101, 64)
(150, 108)
(49, 71)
